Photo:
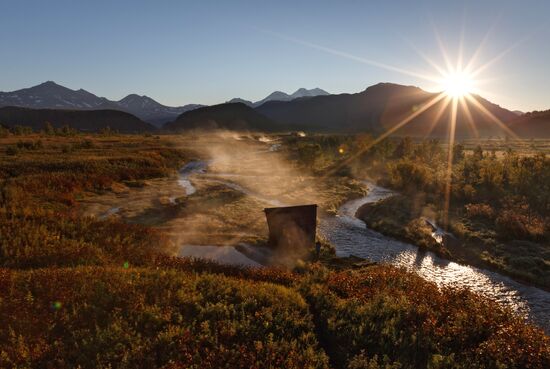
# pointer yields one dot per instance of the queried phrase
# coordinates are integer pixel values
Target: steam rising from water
(228, 191)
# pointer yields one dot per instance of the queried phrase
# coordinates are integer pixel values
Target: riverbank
(114, 293)
(400, 217)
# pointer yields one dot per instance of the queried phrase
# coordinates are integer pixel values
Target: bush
(12, 150)
(139, 318)
(380, 317)
(22, 130)
(480, 211)
(513, 224)
(30, 145)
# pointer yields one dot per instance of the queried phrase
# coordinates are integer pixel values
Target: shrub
(514, 224)
(12, 150)
(22, 130)
(381, 317)
(139, 318)
(30, 145)
(480, 211)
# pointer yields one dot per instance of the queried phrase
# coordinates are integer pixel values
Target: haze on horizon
(181, 52)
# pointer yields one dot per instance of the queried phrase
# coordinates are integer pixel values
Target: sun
(457, 84)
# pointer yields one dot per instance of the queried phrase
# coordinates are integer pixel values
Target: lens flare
(457, 84)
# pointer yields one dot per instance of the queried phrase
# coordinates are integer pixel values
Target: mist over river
(350, 236)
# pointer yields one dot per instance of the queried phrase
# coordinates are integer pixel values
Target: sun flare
(457, 84)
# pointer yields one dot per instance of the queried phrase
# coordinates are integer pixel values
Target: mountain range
(50, 95)
(283, 96)
(379, 108)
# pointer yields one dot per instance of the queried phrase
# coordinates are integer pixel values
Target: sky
(181, 52)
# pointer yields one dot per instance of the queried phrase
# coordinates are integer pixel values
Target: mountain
(303, 92)
(83, 120)
(50, 95)
(232, 116)
(380, 108)
(53, 96)
(151, 111)
(283, 96)
(274, 96)
(239, 100)
(532, 125)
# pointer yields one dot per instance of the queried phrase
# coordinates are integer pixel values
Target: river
(350, 236)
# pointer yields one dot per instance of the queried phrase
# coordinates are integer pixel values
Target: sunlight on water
(350, 236)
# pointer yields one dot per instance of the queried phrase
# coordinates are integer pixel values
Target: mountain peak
(277, 94)
(48, 83)
(304, 92)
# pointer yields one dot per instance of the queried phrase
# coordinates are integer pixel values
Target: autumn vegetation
(98, 293)
(499, 196)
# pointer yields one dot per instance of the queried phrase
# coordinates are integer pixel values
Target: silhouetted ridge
(83, 120)
(534, 124)
(232, 116)
(380, 108)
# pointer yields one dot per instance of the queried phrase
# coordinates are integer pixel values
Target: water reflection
(350, 236)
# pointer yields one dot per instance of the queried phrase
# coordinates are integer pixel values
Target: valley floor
(89, 227)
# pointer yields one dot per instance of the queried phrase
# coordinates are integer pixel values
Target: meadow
(94, 292)
(499, 199)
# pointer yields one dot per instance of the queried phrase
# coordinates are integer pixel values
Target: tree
(4, 132)
(22, 130)
(404, 148)
(48, 129)
(478, 153)
(458, 153)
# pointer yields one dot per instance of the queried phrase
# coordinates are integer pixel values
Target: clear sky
(201, 51)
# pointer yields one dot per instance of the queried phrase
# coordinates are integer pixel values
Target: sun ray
(449, 172)
(469, 118)
(403, 122)
(438, 115)
(491, 116)
(353, 57)
(477, 52)
(483, 67)
(460, 58)
(442, 49)
(427, 59)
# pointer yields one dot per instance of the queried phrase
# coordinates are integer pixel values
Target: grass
(101, 293)
(94, 317)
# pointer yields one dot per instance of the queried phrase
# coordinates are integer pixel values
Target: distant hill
(283, 96)
(239, 100)
(83, 120)
(151, 111)
(532, 125)
(381, 107)
(232, 116)
(50, 95)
